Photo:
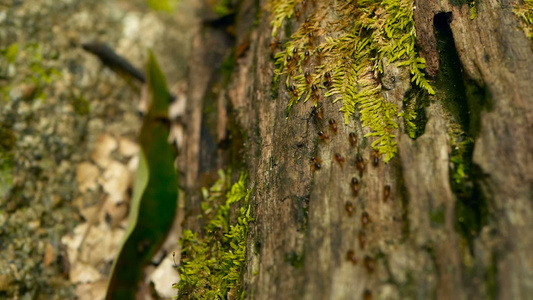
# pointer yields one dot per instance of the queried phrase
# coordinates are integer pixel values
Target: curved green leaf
(155, 194)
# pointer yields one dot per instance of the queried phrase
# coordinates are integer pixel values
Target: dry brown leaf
(86, 175)
(92, 291)
(115, 181)
(81, 273)
(49, 255)
(127, 147)
(105, 144)
(164, 277)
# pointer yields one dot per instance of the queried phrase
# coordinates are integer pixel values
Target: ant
(297, 13)
(353, 139)
(293, 90)
(365, 219)
(276, 44)
(322, 135)
(307, 77)
(333, 125)
(360, 163)
(349, 208)
(339, 158)
(289, 61)
(307, 23)
(386, 192)
(316, 163)
(317, 112)
(362, 238)
(369, 264)
(350, 256)
(355, 186)
(295, 54)
(328, 82)
(367, 295)
(311, 39)
(375, 158)
(316, 91)
(319, 53)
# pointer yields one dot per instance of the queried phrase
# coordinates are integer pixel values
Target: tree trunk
(447, 217)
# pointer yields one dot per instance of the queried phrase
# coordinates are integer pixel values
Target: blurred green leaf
(155, 193)
(10, 53)
(164, 5)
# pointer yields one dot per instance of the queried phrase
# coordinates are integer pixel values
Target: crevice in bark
(464, 100)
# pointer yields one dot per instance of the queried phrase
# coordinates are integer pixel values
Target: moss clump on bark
(524, 12)
(414, 114)
(212, 265)
(348, 65)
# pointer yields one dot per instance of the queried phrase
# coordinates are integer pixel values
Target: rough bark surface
(494, 51)
(303, 233)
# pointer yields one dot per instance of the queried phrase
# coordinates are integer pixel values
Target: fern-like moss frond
(524, 12)
(365, 35)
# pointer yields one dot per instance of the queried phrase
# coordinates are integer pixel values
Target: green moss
(295, 259)
(223, 7)
(227, 67)
(32, 68)
(42, 72)
(163, 5)
(7, 159)
(10, 53)
(414, 112)
(491, 278)
(81, 105)
(212, 265)
(437, 217)
(281, 10)
(7, 139)
(524, 13)
(372, 33)
(302, 213)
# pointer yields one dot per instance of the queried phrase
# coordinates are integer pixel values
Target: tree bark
(301, 243)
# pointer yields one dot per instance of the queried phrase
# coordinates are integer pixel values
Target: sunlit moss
(163, 5)
(524, 12)
(223, 7)
(211, 266)
(347, 66)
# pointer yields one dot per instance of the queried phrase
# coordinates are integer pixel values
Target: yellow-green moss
(7, 158)
(367, 34)
(211, 266)
(31, 66)
(81, 105)
(163, 5)
(524, 12)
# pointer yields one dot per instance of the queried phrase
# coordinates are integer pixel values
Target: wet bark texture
(410, 248)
